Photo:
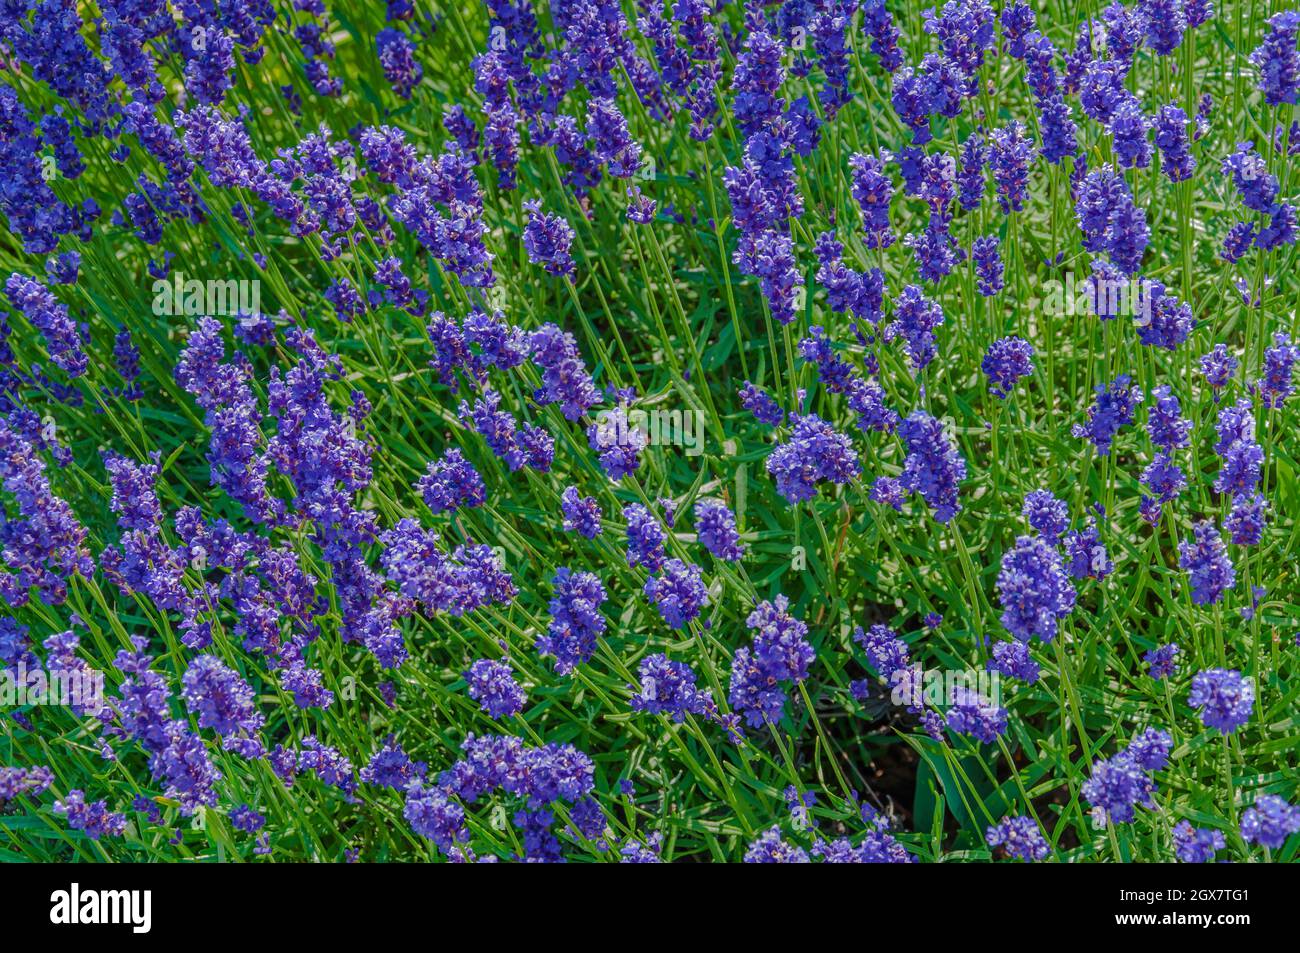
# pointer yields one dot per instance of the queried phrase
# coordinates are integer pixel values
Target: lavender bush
(828, 431)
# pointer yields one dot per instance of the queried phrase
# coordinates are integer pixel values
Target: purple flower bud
(493, 686)
(1019, 837)
(1225, 698)
(1033, 590)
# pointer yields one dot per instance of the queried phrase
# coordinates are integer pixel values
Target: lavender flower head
(1165, 480)
(1225, 698)
(715, 526)
(988, 264)
(645, 538)
(1118, 785)
(391, 767)
(1033, 589)
(93, 819)
(1170, 126)
(770, 848)
(1085, 554)
(1269, 822)
(1218, 366)
(1205, 559)
(1111, 221)
(815, 453)
(1019, 837)
(565, 379)
(1013, 660)
(576, 622)
(668, 688)
(451, 483)
(617, 442)
(934, 468)
(1196, 845)
(492, 684)
(915, 319)
(1046, 513)
(1010, 153)
(677, 592)
(1278, 61)
(1162, 661)
(1112, 410)
(221, 700)
(780, 653)
(762, 405)
(1167, 427)
(1246, 520)
(1006, 361)
(970, 713)
(581, 513)
(873, 190)
(1279, 362)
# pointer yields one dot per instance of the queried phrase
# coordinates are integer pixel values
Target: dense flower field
(821, 430)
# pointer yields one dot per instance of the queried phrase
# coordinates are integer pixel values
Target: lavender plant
(845, 431)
